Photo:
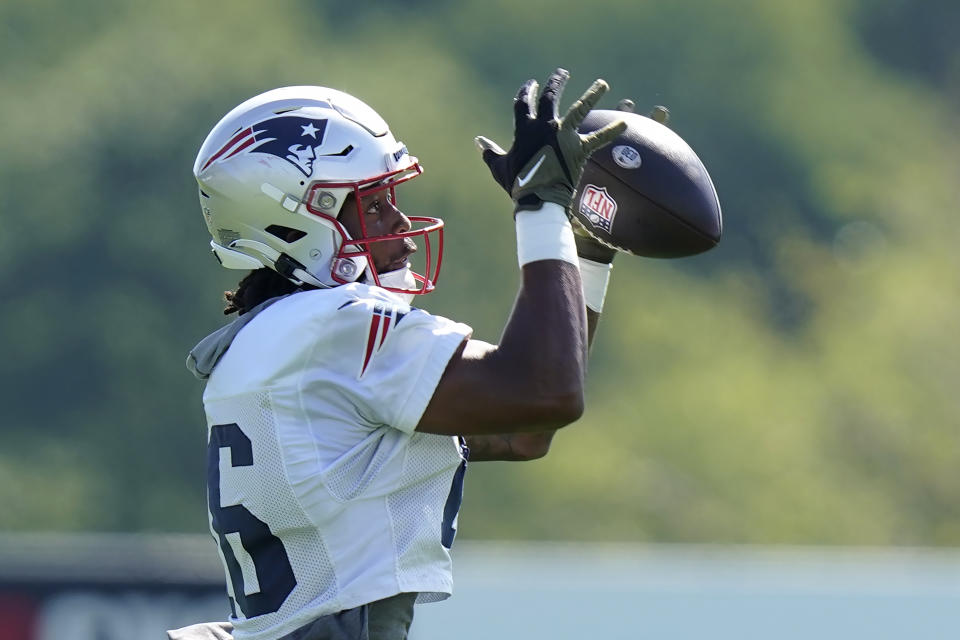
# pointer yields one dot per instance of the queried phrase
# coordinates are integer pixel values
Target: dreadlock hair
(257, 286)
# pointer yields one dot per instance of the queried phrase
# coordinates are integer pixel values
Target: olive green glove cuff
(590, 248)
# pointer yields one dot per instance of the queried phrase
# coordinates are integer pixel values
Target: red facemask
(426, 232)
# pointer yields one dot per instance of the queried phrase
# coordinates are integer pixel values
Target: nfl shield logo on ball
(598, 207)
(626, 157)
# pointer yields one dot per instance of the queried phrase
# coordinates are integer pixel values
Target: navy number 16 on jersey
(274, 573)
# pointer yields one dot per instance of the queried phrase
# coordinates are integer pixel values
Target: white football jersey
(322, 496)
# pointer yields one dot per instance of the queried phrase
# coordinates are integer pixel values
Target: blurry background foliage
(796, 385)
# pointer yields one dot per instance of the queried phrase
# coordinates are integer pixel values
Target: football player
(340, 418)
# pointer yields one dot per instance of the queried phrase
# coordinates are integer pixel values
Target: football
(647, 192)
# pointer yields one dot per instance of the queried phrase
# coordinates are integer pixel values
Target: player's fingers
(661, 114)
(486, 145)
(579, 109)
(602, 137)
(523, 103)
(495, 159)
(547, 108)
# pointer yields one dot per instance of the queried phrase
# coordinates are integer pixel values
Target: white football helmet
(274, 174)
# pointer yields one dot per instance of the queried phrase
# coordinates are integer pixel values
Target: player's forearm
(510, 447)
(533, 380)
(596, 264)
(520, 447)
(593, 319)
(543, 349)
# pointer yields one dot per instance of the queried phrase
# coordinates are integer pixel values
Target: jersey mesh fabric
(339, 475)
(261, 488)
(354, 472)
(415, 510)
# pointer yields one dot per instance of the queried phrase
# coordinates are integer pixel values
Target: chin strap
(283, 264)
(295, 273)
(399, 279)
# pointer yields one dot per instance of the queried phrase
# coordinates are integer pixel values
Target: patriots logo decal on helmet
(293, 138)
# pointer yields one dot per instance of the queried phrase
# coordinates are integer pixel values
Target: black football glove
(548, 153)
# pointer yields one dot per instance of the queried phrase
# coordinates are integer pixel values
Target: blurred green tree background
(795, 385)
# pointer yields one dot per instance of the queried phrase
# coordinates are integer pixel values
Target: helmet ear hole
(286, 234)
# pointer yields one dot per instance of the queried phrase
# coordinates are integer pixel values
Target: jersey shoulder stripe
(383, 317)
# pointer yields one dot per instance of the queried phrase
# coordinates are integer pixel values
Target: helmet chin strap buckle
(285, 266)
(231, 257)
(296, 272)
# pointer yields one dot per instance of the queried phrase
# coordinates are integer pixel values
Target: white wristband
(595, 277)
(545, 235)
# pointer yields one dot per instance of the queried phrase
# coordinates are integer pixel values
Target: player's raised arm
(533, 379)
(647, 194)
